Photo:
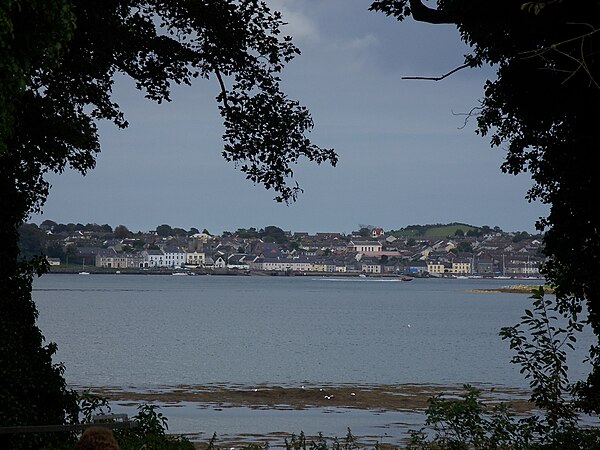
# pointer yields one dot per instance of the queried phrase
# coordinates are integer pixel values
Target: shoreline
(238, 272)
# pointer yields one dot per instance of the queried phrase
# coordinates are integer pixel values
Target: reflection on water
(243, 424)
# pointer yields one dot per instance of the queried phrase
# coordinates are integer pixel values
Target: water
(145, 332)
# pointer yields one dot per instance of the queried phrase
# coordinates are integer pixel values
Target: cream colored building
(365, 246)
(435, 268)
(195, 258)
(461, 267)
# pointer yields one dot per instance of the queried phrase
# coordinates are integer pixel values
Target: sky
(406, 156)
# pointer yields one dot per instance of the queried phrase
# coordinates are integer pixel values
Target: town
(452, 250)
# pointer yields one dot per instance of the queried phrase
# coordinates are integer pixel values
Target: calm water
(148, 331)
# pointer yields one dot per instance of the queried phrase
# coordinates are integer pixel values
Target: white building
(153, 258)
(174, 257)
(365, 246)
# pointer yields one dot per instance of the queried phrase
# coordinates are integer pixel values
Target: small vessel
(405, 278)
(83, 272)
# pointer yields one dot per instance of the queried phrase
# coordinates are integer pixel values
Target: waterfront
(135, 333)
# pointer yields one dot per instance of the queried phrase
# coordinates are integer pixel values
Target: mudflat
(381, 397)
(400, 397)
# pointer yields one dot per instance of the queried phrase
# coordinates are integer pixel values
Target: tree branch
(422, 13)
(464, 66)
(223, 89)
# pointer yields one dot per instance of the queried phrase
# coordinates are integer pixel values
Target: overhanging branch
(447, 74)
(423, 13)
(223, 88)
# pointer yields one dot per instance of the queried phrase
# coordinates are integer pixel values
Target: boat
(83, 272)
(179, 273)
(405, 278)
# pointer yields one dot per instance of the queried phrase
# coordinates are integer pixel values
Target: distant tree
(272, 233)
(364, 232)
(326, 252)
(94, 227)
(47, 225)
(193, 231)
(487, 230)
(179, 232)
(164, 230)
(292, 245)
(59, 228)
(474, 233)
(55, 250)
(31, 240)
(70, 254)
(459, 232)
(138, 244)
(71, 227)
(464, 247)
(520, 236)
(247, 233)
(122, 232)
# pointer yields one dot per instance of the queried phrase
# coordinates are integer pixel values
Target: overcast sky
(405, 156)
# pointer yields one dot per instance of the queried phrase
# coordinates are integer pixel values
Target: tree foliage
(121, 231)
(58, 64)
(542, 107)
(541, 342)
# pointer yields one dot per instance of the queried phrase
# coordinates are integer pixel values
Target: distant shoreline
(525, 288)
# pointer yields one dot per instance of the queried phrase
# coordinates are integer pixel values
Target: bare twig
(464, 66)
(472, 113)
(580, 61)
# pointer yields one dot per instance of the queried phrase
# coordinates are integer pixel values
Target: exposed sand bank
(516, 289)
(380, 397)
